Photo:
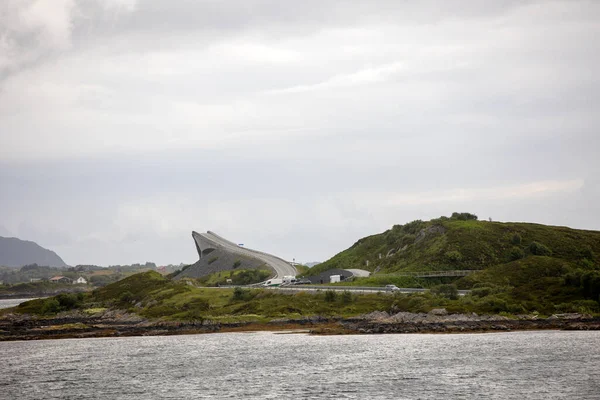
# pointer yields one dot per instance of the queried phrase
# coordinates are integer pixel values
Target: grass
(237, 276)
(425, 245)
(506, 281)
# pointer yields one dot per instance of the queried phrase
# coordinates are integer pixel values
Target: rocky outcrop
(432, 230)
(122, 323)
(432, 322)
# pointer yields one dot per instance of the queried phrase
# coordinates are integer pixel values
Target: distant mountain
(312, 264)
(16, 253)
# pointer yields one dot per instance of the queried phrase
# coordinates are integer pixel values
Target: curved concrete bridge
(210, 241)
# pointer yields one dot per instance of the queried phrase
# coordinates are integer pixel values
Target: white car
(392, 288)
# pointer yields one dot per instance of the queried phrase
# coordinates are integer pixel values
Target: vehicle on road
(273, 282)
(303, 282)
(289, 280)
(392, 288)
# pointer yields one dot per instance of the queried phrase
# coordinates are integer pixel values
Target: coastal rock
(438, 311)
(376, 316)
(569, 316)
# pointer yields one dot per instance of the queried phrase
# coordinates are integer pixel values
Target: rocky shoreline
(115, 324)
(377, 323)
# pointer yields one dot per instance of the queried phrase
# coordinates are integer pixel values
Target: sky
(295, 128)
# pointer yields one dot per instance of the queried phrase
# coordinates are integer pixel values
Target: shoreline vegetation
(524, 276)
(150, 304)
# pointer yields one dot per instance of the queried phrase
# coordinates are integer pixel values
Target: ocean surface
(7, 303)
(517, 365)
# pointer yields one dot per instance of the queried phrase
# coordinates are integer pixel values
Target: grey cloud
(295, 128)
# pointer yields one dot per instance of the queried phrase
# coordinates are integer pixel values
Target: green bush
(516, 253)
(454, 256)
(492, 304)
(330, 296)
(69, 301)
(587, 253)
(237, 263)
(347, 297)
(50, 306)
(240, 294)
(126, 297)
(516, 239)
(447, 291)
(539, 249)
(198, 304)
(482, 291)
(464, 216)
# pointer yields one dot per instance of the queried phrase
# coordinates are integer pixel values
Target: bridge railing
(429, 274)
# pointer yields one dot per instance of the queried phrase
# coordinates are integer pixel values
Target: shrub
(237, 263)
(516, 253)
(481, 291)
(126, 297)
(516, 239)
(239, 293)
(413, 227)
(330, 296)
(50, 306)
(454, 256)
(347, 297)
(492, 304)
(464, 216)
(587, 253)
(212, 260)
(447, 291)
(250, 276)
(68, 301)
(198, 304)
(539, 249)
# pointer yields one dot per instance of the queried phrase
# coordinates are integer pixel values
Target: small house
(80, 281)
(61, 279)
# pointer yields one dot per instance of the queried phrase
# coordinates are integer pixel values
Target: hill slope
(462, 242)
(16, 253)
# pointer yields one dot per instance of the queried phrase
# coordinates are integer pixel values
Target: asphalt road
(353, 289)
(358, 289)
(282, 268)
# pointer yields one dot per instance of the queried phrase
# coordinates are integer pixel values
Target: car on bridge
(303, 282)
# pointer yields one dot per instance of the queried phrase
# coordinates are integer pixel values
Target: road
(281, 267)
(353, 289)
(358, 289)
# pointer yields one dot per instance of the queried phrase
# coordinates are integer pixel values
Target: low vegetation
(234, 277)
(518, 269)
(151, 295)
(463, 242)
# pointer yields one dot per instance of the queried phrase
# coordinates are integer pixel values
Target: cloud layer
(297, 128)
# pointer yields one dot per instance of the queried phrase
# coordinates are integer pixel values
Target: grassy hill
(462, 242)
(518, 267)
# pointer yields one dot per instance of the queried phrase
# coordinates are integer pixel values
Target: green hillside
(462, 242)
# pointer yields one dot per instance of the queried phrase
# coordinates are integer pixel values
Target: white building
(79, 280)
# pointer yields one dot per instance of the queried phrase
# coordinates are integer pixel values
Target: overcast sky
(292, 127)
